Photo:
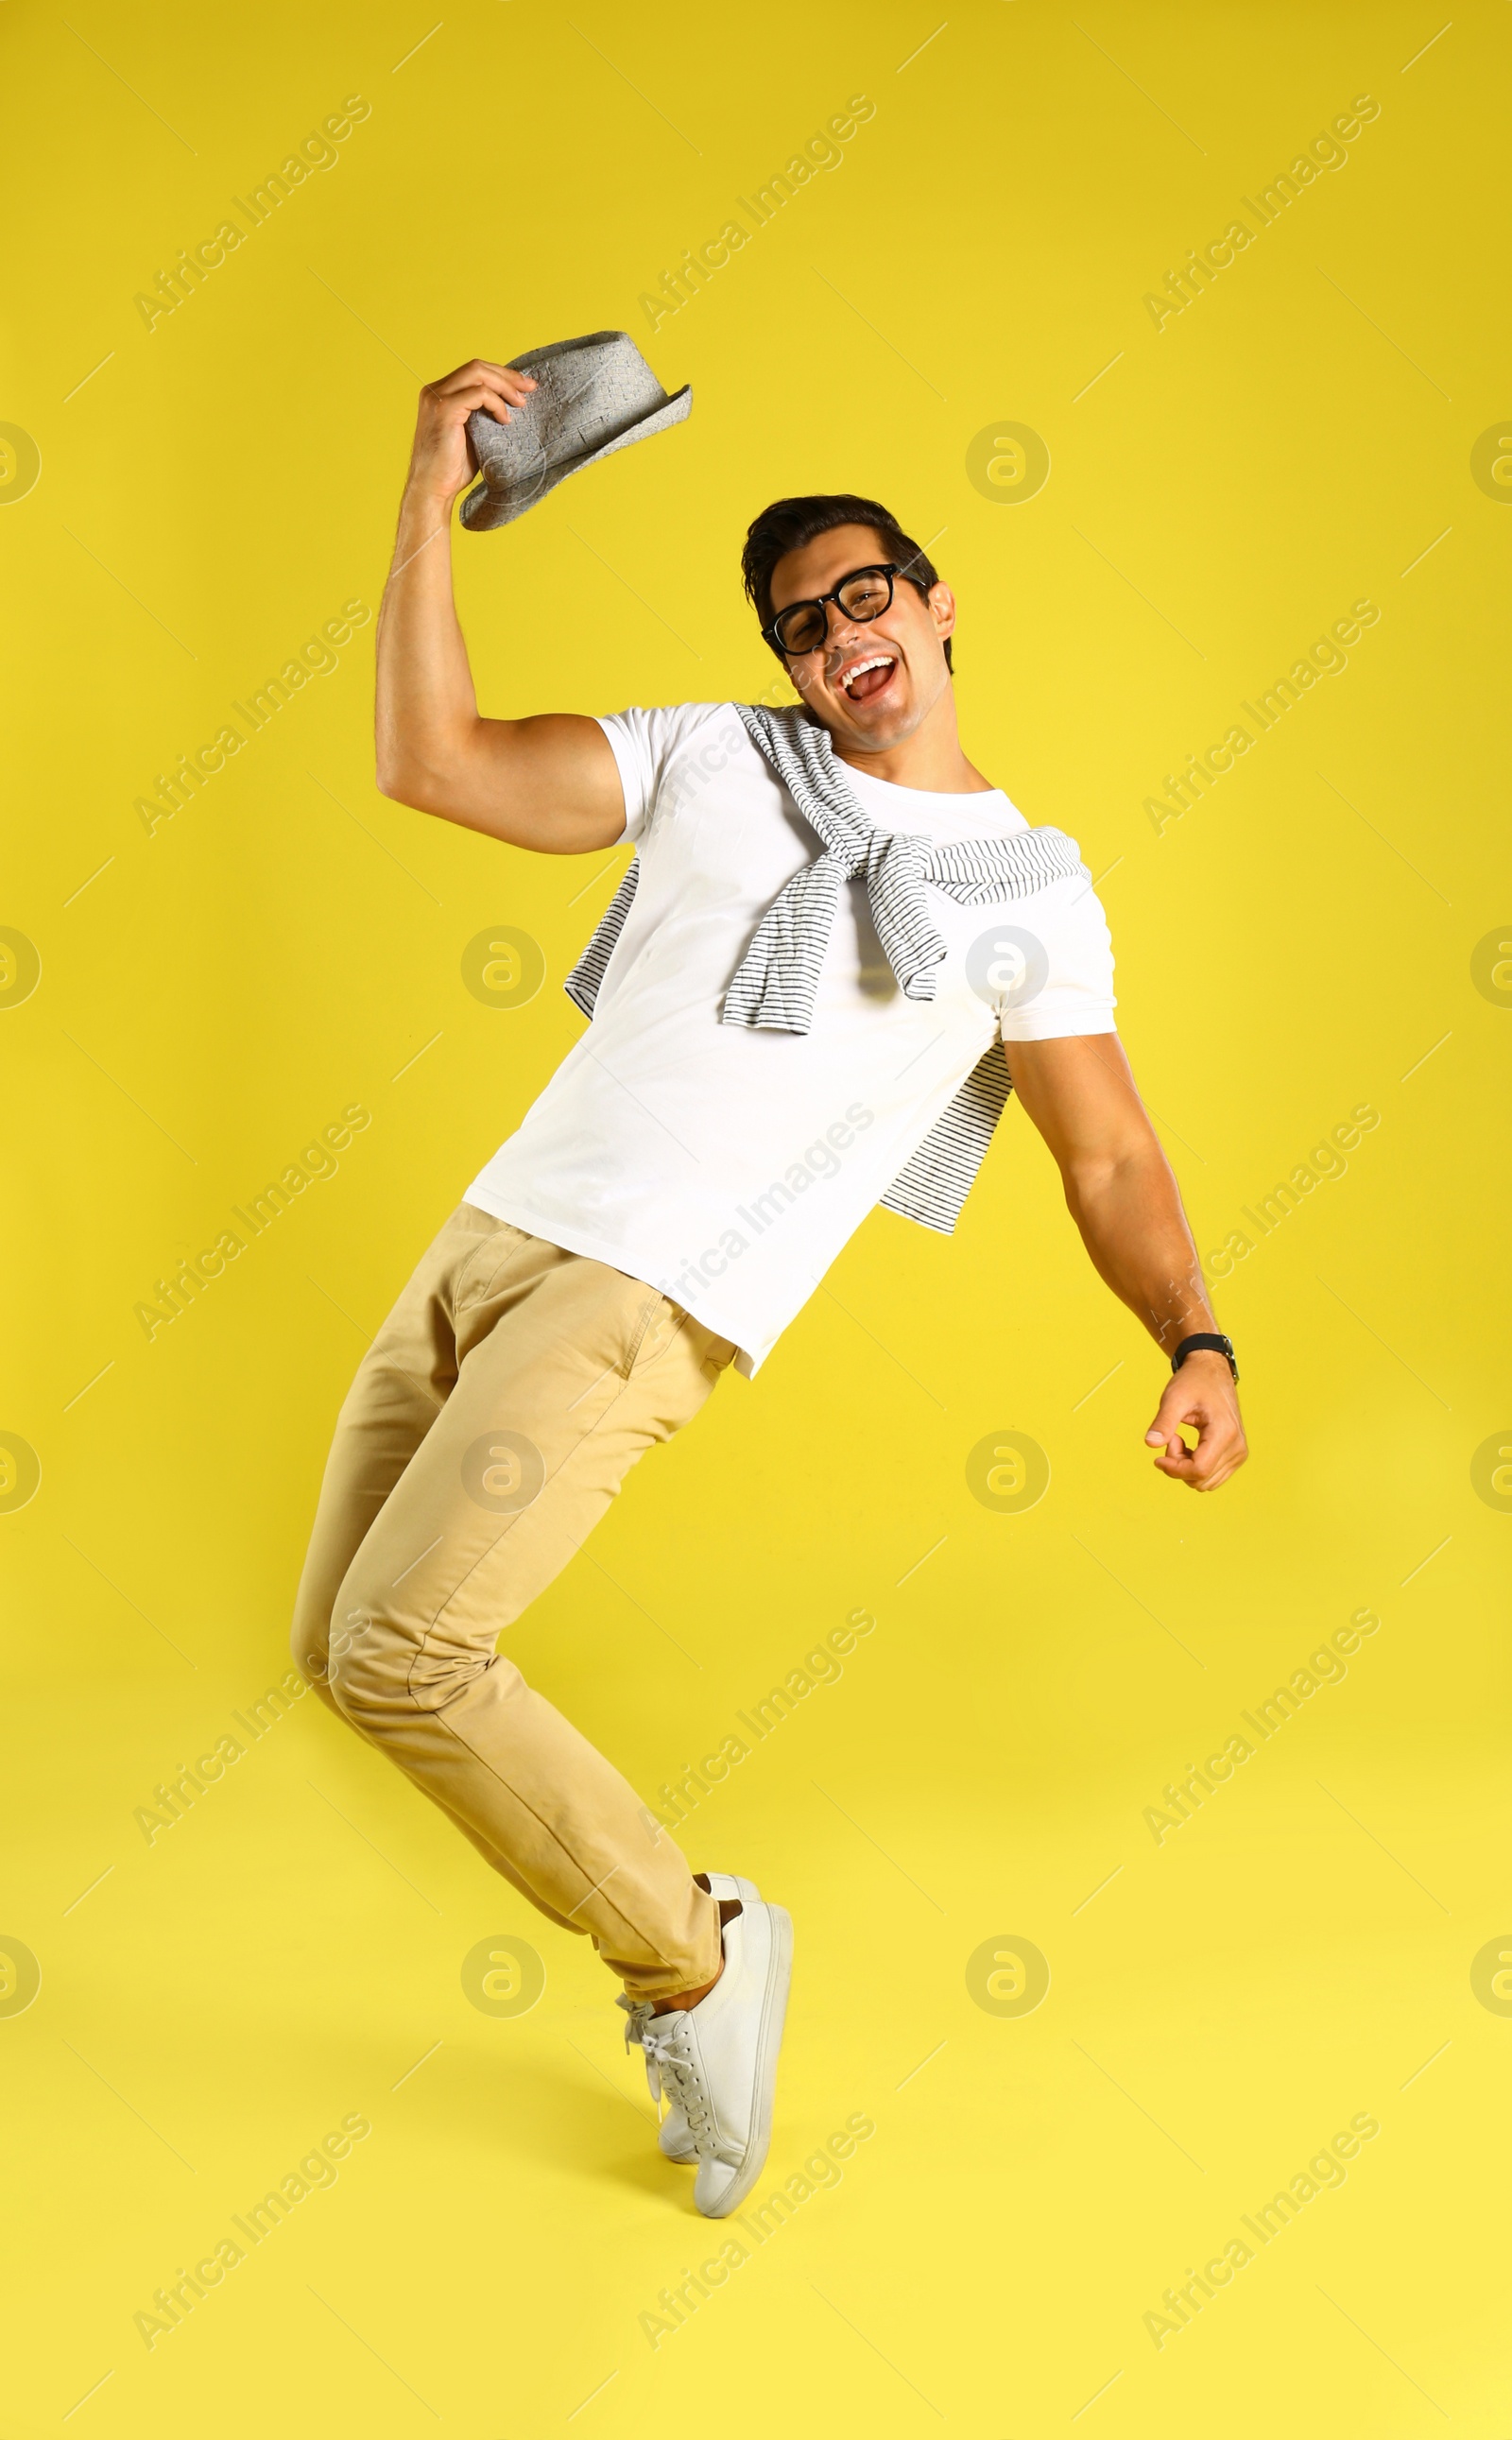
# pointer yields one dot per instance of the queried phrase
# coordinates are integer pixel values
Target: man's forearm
(1080, 1093)
(1133, 1226)
(425, 703)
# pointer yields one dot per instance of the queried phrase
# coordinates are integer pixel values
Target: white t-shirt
(726, 1166)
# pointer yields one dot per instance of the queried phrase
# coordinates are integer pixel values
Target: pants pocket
(652, 1332)
(664, 1326)
(498, 1241)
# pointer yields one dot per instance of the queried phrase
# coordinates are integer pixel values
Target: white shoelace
(669, 2046)
(639, 2013)
(671, 2067)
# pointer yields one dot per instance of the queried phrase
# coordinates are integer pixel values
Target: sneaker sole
(770, 2043)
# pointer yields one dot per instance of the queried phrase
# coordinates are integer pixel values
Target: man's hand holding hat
(442, 461)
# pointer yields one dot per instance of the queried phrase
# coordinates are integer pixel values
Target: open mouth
(865, 680)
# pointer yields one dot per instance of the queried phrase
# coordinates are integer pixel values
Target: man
(781, 1039)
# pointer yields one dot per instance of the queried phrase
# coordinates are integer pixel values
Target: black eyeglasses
(861, 597)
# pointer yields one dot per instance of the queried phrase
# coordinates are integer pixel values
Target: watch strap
(1208, 1338)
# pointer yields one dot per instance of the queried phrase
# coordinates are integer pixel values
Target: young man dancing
(837, 942)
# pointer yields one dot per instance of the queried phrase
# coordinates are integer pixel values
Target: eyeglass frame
(888, 568)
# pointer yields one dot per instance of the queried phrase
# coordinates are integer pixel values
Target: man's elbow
(408, 782)
(392, 779)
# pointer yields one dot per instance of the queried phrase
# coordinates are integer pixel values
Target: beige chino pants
(489, 1427)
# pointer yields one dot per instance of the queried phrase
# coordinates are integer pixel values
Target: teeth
(878, 661)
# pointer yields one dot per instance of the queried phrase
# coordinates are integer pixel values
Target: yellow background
(215, 993)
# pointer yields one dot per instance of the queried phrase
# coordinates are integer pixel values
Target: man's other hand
(1202, 1394)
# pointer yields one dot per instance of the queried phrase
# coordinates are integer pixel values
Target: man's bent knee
(356, 1672)
(307, 1644)
(377, 1667)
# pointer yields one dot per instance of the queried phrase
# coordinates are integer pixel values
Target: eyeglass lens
(865, 595)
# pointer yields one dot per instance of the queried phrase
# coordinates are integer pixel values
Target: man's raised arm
(549, 782)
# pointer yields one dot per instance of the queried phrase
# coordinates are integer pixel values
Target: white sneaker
(673, 2135)
(720, 2058)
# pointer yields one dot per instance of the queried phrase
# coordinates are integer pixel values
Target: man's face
(873, 684)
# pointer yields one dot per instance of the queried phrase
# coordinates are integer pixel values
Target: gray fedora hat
(593, 396)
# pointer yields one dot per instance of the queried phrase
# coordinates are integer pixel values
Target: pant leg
(400, 1388)
(566, 1371)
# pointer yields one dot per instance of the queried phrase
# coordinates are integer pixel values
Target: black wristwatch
(1219, 1345)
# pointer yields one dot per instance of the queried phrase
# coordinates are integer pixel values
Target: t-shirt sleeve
(1062, 957)
(643, 743)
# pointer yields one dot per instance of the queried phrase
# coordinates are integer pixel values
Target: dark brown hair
(787, 525)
